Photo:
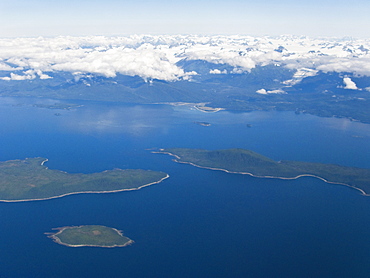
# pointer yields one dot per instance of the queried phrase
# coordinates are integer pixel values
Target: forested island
(248, 162)
(90, 235)
(30, 179)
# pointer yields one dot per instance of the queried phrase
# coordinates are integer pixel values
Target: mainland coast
(201, 106)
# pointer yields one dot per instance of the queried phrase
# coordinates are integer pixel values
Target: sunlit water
(197, 223)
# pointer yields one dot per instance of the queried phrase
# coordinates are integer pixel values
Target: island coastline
(178, 160)
(80, 192)
(87, 192)
(56, 239)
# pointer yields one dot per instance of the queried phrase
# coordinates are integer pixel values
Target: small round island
(90, 235)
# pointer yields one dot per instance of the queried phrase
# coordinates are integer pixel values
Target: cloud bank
(157, 57)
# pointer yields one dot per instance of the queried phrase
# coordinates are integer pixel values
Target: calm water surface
(197, 223)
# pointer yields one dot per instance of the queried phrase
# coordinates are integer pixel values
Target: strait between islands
(30, 180)
(243, 161)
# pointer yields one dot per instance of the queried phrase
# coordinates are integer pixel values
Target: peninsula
(30, 179)
(243, 161)
(90, 235)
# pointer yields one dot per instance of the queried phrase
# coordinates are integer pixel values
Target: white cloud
(155, 57)
(349, 84)
(44, 76)
(264, 92)
(5, 67)
(261, 91)
(217, 71)
(299, 75)
(18, 77)
(27, 75)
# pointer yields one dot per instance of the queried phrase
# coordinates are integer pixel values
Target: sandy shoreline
(56, 239)
(83, 192)
(178, 158)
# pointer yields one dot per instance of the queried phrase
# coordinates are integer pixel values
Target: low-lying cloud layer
(156, 57)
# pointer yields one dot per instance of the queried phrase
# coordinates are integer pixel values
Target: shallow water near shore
(198, 222)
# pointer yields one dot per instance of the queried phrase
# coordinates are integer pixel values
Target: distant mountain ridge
(325, 77)
(322, 94)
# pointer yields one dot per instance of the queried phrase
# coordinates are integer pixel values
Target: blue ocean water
(197, 223)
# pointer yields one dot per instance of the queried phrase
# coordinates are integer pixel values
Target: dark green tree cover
(246, 161)
(90, 235)
(29, 179)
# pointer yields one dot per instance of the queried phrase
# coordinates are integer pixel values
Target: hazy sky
(28, 18)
